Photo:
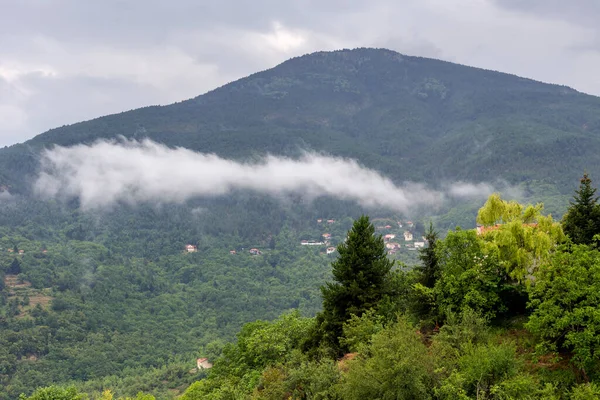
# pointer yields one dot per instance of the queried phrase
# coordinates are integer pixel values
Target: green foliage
(259, 345)
(582, 220)
(521, 236)
(361, 276)
(358, 331)
(586, 391)
(471, 278)
(565, 301)
(395, 365)
(55, 393)
(429, 267)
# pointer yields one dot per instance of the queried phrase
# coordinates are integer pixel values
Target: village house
(389, 237)
(311, 243)
(255, 252)
(399, 224)
(331, 221)
(392, 246)
(203, 363)
(330, 250)
(232, 252)
(408, 236)
(21, 251)
(11, 250)
(419, 245)
(319, 221)
(190, 248)
(392, 252)
(326, 236)
(388, 227)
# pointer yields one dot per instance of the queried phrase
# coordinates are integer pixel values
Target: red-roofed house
(203, 363)
(190, 248)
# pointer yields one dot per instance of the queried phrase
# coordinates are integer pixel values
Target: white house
(389, 237)
(408, 236)
(203, 363)
(419, 245)
(330, 250)
(190, 248)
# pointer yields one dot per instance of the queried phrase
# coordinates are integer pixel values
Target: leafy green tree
(582, 220)
(566, 304)
(520, 235)
(585, 391)
(55, 393)
(361, 280)
(396, 365)
(471, 277)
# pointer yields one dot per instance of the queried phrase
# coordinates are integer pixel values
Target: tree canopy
(582, 220)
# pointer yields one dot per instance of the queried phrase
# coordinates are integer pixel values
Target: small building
(331, 221)
(233, 252)
(311, 243)
(330, 250)
(190, 248)
(392, 252)
(419, 245)
(389, 237)
(409, 224)
(326, 236)
(408, 236)
(21, 251)
(399, 224)
(203, 363)
(388, 227)
(11, 250)
(44, 251)
(255, 252)
(392, 246)
(319, 221)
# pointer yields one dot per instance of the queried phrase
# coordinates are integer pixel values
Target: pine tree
(361, 278)
(429, 259)
(582, 220)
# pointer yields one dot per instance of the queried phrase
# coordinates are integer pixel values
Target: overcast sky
(63, 61)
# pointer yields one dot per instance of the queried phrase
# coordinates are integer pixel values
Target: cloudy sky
(62, 61)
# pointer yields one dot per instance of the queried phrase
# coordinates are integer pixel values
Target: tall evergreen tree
(361, 279)
(429, 259)
(582, 220)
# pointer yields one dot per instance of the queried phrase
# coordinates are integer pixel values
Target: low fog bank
(109, 172)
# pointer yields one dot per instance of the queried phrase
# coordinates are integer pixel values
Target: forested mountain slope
(412, 118)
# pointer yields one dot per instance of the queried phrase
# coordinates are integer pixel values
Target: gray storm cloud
(108, 172)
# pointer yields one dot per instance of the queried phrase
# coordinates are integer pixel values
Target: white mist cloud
(108, 172)
(465, 189)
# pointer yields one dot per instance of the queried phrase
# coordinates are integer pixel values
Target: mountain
(113, 299)
(411, 118)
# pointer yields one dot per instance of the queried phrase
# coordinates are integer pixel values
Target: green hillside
(412, 118)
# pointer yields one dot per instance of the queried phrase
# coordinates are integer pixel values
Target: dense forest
(504, 311)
